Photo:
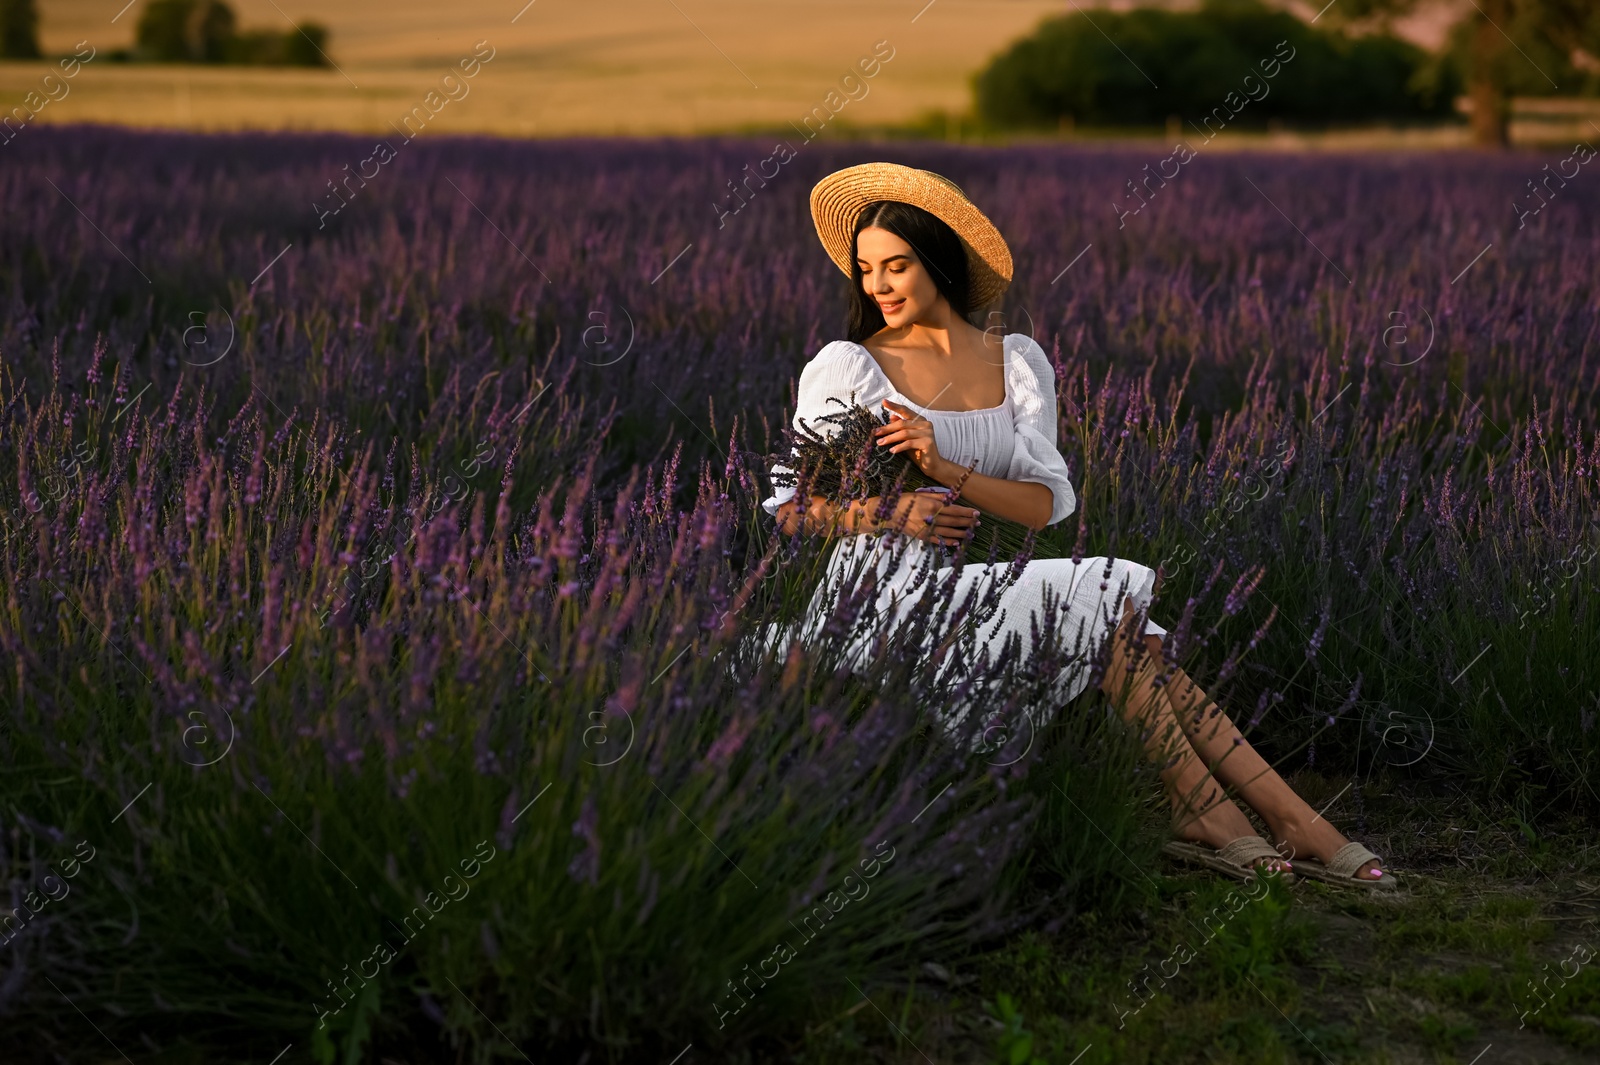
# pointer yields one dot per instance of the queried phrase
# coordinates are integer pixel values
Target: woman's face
(892, 275)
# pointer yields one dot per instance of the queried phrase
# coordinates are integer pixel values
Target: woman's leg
(1215, 738)
(1201, 811)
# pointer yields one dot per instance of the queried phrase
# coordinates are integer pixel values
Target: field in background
(643, 67)
(632, 66)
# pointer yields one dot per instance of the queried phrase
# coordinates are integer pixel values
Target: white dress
(1015, 440)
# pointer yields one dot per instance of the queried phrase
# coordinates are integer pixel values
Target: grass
(1436, 974)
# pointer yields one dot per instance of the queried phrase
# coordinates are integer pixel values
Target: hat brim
(837, 201)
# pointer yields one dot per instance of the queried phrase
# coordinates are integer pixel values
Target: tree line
(182, 31)
(1150, 65)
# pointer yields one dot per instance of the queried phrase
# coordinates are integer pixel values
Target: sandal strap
(1246, 850)
(1351, 857)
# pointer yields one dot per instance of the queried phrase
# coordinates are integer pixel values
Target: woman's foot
(1316, 839)
(1219, 824)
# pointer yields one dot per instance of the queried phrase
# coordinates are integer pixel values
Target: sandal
(1232, 859)
(1342, 869)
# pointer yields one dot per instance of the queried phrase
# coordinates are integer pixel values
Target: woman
(922, 259)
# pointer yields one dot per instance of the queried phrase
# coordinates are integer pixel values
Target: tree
(186, 31)
(1499, 36)
(19, 29)
(1139, 67)
(303, 46)
(205, 31)
(306, 45)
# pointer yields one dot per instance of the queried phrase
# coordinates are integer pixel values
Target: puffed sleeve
(838, 369)
(1035, 457)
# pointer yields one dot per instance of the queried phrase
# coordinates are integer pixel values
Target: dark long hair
(932, 241)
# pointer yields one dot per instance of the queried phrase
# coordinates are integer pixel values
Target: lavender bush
(555, 705)
(336, 560)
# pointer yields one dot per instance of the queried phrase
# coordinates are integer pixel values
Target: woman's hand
(926, 515)
(910, 432)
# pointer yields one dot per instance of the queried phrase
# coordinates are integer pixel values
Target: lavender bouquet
(849, 465)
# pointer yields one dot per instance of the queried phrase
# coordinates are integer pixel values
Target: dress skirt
(1076, 604)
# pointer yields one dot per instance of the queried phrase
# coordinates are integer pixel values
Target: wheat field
(561, 67)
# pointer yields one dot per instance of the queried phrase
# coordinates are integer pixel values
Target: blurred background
(1365, 73)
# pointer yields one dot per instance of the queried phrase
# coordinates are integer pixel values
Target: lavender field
(382, 558)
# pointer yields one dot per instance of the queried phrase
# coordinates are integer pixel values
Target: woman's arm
(924, 515)
(1028, 502)
(822, 516)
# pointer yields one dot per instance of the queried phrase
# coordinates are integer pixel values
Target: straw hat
(837, 200)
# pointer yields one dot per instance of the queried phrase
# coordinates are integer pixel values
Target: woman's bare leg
(1201, 810)
(1215, 738)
